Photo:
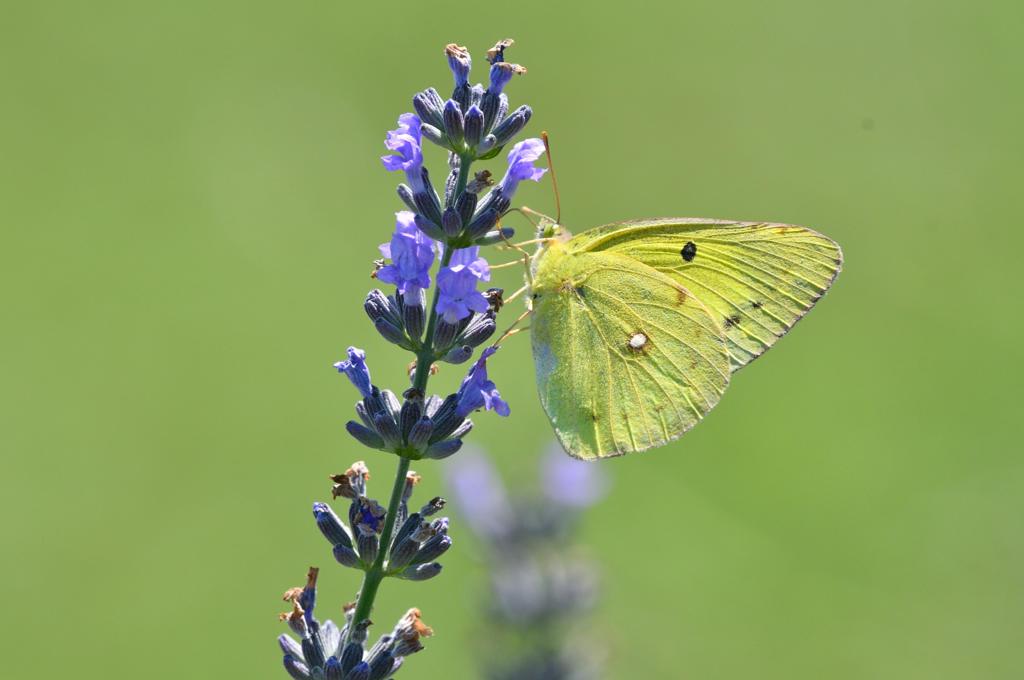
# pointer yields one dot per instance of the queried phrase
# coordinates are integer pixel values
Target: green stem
(368, 593)
(424, 360)
(463, 178)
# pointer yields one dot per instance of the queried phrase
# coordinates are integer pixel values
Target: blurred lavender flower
(571, 482)
(540, 588)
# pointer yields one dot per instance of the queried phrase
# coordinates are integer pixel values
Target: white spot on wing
(638, 341)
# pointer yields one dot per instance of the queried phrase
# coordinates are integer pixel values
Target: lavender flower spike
(520, 166)
(411, 253)
(459, 297)
(356, 370)
(406, 140)
(478, 390)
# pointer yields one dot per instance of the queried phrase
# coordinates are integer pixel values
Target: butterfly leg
(516, 294)
(526, 258)
(512, 330)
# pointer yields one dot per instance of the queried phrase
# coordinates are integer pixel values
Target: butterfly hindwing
(626, 358)
(757, 278)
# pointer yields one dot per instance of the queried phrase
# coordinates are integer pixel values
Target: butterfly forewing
(626, 358)
(757, 278)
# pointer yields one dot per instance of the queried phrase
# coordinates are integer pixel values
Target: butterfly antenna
(554, 181)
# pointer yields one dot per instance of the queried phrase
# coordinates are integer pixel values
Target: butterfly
(638, 326)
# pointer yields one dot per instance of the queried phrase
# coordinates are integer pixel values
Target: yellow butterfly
(638, 326)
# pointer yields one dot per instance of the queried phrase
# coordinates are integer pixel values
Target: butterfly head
(550, 229)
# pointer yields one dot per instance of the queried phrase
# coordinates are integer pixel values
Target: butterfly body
(637, 327)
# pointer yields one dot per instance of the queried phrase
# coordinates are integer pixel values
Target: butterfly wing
(758, 279)
(626, 358)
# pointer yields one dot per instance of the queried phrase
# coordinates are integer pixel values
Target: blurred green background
(191, 197)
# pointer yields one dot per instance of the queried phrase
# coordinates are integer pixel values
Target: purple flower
(571, 482)
(459, 62)
(406, 141)
(501, 74)
(411, 253)
(459, 296)
(520, 166)
(477, 390)
(356, 370)
(470, 259)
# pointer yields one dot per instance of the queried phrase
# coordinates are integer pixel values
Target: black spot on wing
(689, 251)
(731, 321)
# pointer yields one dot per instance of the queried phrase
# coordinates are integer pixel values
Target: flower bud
(483, 223)
(484, 147)
(445, 418)
(434, 135)
(408, 527)
(512, 126)
(462, 430)
(414, 313)
(427, 109)
(312, 651)
(433, 548)
(464, 207)
(433, 506)
(451, 222)
(388, 430)
(369, 546)
(444, 334)
(330, 525)
(489, 105)
(333, 671)
(429, 228)
(391, 404)
(361, 671)
(392, 333)
(419, 435)
(428, 206)
(296, 668)
(480, 328)
(409, 415)
(352, 655)
(405, 193)
(379, 306)
(364, 436)
(346, 556)
(474, 126)
(454, 123)
(459, 61)
(497, 236)
(443, 449)
(458, 354)
(402, 554)
(422, 572)
(381, 665)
